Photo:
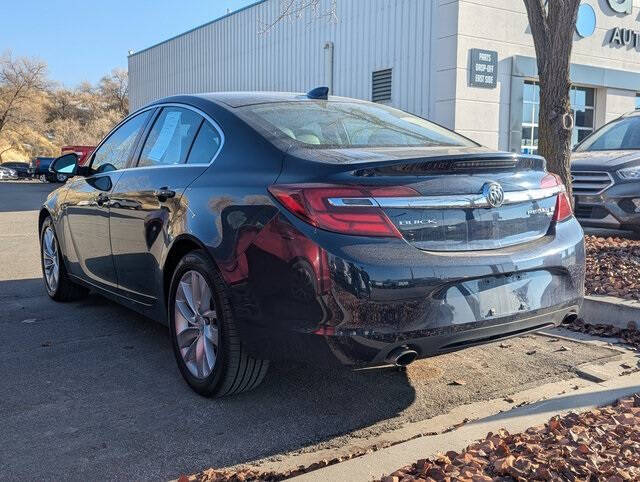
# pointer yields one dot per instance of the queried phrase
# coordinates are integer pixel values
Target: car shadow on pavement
(91, 391)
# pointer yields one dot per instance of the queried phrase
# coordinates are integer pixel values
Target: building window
(582, 104)
(381, 85)
(637, 101)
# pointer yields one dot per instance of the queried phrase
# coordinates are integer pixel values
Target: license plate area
(499, 296)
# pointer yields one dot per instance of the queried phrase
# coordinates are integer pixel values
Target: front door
(86, 205)
(147, 200)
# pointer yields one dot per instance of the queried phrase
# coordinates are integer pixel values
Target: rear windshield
(621, 134)
(334, 124)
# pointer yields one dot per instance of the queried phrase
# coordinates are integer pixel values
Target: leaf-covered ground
(601, 444)
(613, 267)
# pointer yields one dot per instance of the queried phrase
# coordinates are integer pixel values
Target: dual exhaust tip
(402, 356)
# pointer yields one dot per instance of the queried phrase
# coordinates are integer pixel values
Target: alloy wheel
(196, 324)
(50, 258)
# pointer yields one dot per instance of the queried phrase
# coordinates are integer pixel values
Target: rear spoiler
(465, 163)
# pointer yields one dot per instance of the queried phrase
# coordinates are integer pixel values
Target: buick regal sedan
(278, 226)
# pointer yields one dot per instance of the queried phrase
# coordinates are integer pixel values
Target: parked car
(40, 169)
(264, 226)
(21, 168)
(606, 175)
(7, 173)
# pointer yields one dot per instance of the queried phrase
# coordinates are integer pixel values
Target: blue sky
(83, 40)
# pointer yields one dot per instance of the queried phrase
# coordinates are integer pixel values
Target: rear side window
(170, 137)
(114, 153)
(205, 146)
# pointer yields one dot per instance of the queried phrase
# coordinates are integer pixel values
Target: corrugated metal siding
(231, 53)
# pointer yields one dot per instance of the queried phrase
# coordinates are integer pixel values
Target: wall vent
(381, 85)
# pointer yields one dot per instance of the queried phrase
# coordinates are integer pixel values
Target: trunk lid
(449, 210)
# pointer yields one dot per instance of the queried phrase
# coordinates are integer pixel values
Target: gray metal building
(467, 64)
(233, 53)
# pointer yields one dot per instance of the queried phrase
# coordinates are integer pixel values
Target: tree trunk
(553, 28)
(554, 142)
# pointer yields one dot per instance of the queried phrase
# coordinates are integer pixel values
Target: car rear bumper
(360, 347)
(358, 299)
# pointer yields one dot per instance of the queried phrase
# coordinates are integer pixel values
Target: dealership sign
(621, 6)
(619, 36)
(484, 68)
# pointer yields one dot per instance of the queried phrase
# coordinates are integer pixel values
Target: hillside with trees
(38, 116)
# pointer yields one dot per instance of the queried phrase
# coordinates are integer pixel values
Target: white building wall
(618, 102)
(231, 54)
(502, 25)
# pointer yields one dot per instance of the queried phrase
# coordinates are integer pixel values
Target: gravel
(601, 444)
(613, 267)
(629, 335)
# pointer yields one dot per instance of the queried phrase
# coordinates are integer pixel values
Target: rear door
(86, 205)
(146, 203)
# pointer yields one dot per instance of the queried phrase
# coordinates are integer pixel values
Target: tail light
(356, 213)
(563, 206)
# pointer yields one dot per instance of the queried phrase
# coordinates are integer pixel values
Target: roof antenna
(320, 93)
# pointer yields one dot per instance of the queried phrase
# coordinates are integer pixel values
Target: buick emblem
(493, 193)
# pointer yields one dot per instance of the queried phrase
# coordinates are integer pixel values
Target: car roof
(241, 99)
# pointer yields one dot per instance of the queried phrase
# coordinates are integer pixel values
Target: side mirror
(67, 164)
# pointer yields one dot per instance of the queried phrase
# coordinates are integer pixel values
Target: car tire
(63, 289)
(233, 369)
(43, 178)
(61, 178)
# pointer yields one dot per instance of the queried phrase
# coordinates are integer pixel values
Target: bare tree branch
(20, 80)
(114, 88)
(11, 146)
(295, 9)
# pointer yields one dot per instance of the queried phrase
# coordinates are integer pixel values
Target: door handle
(164, 193)
(101, 199)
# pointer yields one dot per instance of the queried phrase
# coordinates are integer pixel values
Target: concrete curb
(608, 310)
(385, 461)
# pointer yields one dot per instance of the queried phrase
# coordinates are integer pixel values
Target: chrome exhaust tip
(402, 356)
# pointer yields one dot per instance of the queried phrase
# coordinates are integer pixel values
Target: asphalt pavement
(90, 390)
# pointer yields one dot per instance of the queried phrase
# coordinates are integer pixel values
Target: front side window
(335, 124)
(583, 107)
(170, 137)
(114, 153)
(621, 134)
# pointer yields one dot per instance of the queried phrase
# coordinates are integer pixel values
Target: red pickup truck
(83, 152)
